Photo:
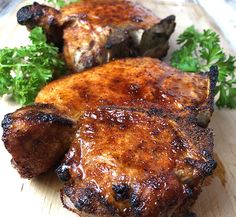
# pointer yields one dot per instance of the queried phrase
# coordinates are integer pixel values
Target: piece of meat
(97, 31)
(140, 83)
(127, 162)
(31, 136)
(139, 142)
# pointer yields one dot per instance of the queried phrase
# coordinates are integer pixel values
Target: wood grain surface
(40, 196)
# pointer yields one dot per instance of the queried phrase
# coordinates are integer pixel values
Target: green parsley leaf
(25, 70)
(198, 52)
(62, 3)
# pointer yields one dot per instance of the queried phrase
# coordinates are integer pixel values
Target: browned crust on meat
(108, 12)
(139, 83)
(139, 147)
(37, 137)
(95, 32)
(148, 164)
(46, 17)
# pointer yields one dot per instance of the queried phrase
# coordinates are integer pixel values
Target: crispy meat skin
(96, 31)
(137, 148)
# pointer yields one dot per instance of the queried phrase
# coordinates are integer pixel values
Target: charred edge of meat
(207, 155)
(136, 204)
(41, 117)
(205, 164)
(88, 199)
(7, 122)
(154, 41)
(213, 75)
(30, 13)
(121, 191)
(170, 21)
(22, 130)
(179, 143)
(63, 173)
(40, 106)
(67, 203)
(206, 168)
(37, 117)
(155, 112)
(188, 191)
(84, 202)
(45, 17)
(204, 116)
(108, 207)
(43, 106)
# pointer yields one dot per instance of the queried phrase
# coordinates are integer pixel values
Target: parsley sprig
(25, 70)
(199, 51)
(61, 3)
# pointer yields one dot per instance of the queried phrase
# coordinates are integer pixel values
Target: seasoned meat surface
(31, 136)
(140, 83)
(127, 162)
(137, 135)
(97, 31)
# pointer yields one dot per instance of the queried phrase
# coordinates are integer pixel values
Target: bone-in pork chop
(97, 31)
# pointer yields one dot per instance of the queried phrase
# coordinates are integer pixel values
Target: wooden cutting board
(40, 196)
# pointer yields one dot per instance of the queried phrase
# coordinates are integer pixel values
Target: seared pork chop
(128, 162)
(97, 31)
(137, 135)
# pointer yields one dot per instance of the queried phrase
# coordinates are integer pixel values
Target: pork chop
(128, 162)
(97, 31)
(137, 135)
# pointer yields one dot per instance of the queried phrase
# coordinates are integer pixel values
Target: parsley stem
(13, 66)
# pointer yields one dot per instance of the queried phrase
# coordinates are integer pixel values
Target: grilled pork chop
(137, 135)
(130, 162)
(97, 31)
